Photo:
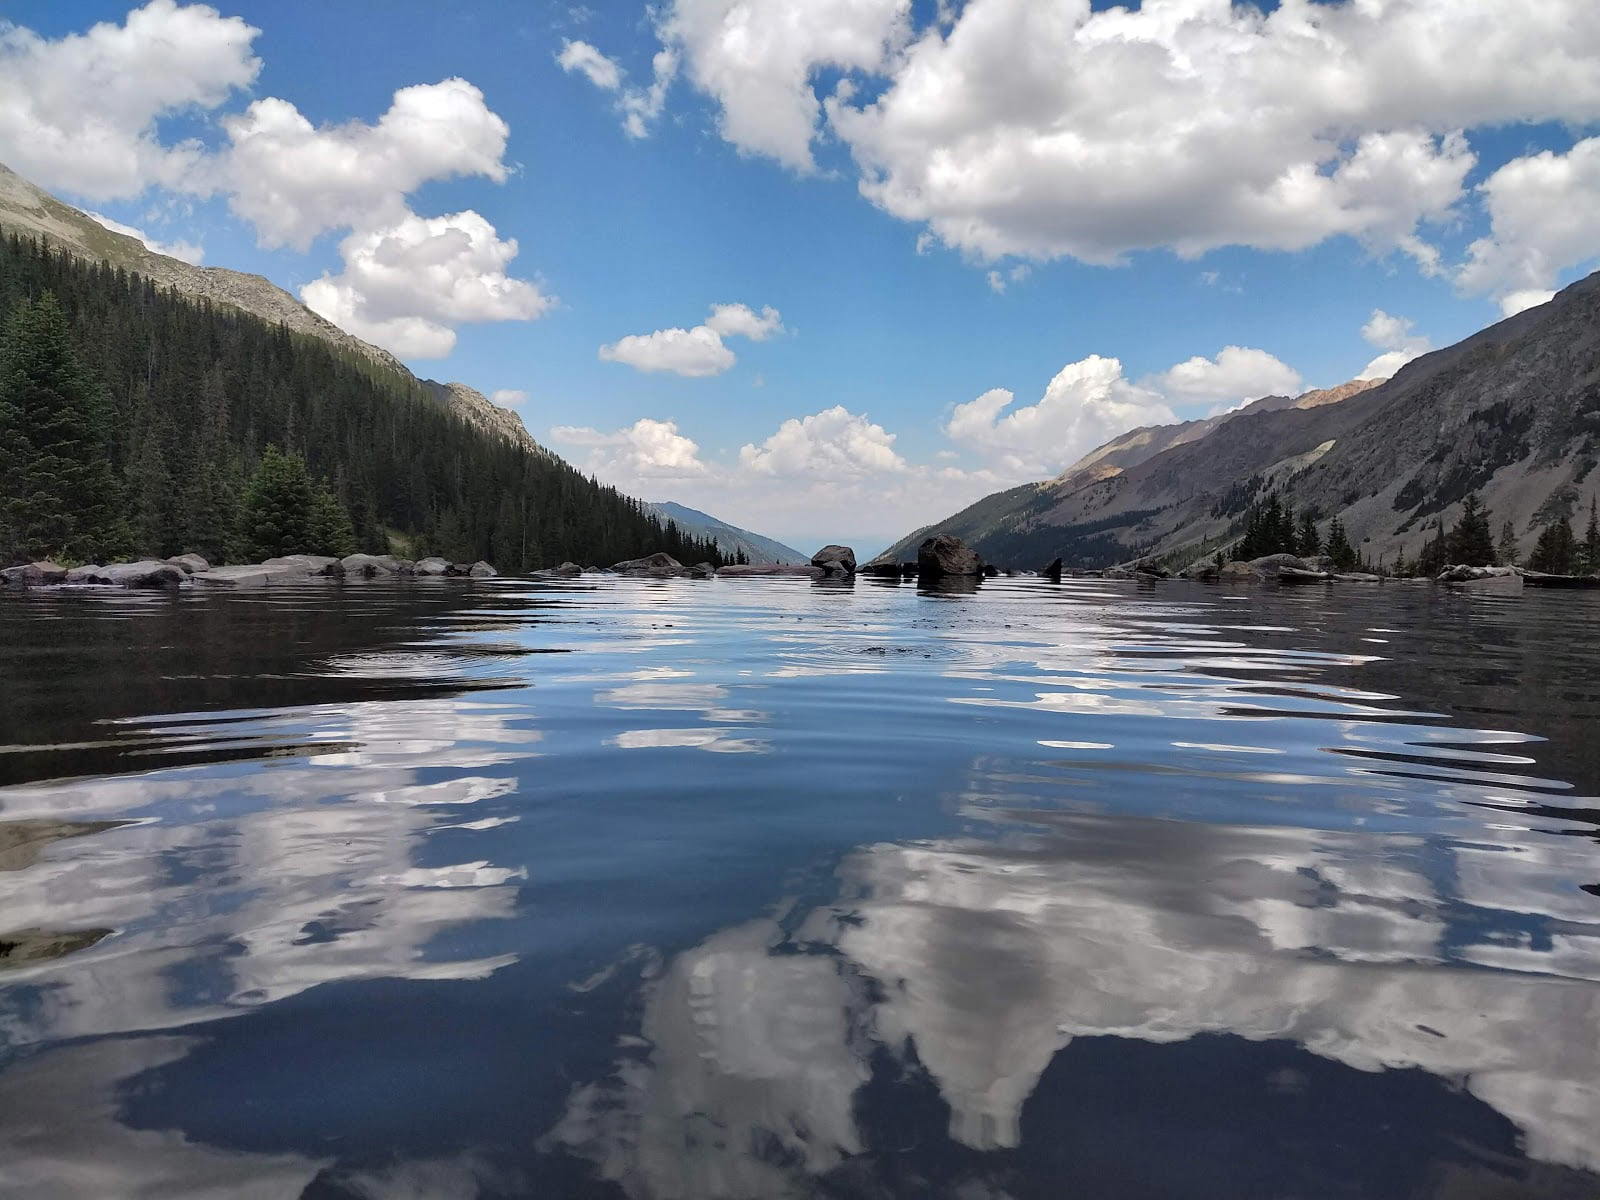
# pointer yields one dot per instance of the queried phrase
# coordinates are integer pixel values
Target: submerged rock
(33, 574)
(944, 554)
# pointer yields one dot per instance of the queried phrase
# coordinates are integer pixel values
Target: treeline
(134, 421)
(1271, 527)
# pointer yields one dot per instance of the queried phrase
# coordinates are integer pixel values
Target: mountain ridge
(757, 548)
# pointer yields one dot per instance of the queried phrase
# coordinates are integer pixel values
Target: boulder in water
(369, 565)
(191, 564)
(835, 560)
(249, 575)
(1052, 572)
(660, 564)
(944, 554)
(432, 566)
(33, 574)
(481, 570)
(307, 564)
(142, 574)
(1269, 565)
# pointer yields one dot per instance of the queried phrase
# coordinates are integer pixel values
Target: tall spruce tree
(277, 512)
(1591, 542)
(1557, 550)
(1471, 541)
(59, 496)
(332, 531)
(1435, 553)
(1505, 550)
(1339, 548)
(1309, 542)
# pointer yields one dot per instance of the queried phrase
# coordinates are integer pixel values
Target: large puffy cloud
(79, 114)
(1395, 337)
(406, 285)
(1544, 214)
(1086, 403)
(757, 59)
(1043, 128)
(698, 352)
(646, 450)
(82, 114)
(1235, 375)
(293, 180)
(833, 444)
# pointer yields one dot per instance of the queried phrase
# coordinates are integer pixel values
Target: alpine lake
(684, 890)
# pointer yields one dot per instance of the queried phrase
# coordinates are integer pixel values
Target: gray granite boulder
(33, 574)
(835, 560)
(481, 570)
(249, 575)
(307, 564)
(145, 573)
(944, 554)
(190, 563)
(432, 566)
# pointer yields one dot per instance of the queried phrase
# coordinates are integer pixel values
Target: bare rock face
(33, 574)
(943, 555)
(659, 564)
(835, 560)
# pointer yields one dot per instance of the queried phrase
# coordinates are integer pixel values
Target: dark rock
(145, 573)
(943, 555)
(990, 570)
(1053, 571)
(658, 564)
(33, 574)
(1150, 566)
(835, 560)
(569, 569)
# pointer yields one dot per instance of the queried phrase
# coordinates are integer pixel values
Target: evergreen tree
(1339, 548)
(1435, 553)
(1471, 541)
(58, 491)
(1505, 550)
(1556, 551)
(276, 513)
(1309, 542)
(331, 530)
(1591, 542)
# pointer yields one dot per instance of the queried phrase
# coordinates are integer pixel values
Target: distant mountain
(730, 538)
(1512, 413)
(29, 210)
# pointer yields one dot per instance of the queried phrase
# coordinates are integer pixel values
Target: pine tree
(275, 515)
(1339, 548)
(1309, 542)
(1435, 553)
(58, 491)
(1471, 541)
(1556, 551)
(332, 531)
(1591, 542)
(1505, 550)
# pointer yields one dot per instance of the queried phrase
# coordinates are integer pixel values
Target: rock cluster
(193, 570)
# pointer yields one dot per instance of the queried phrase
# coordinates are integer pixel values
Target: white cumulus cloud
(645, 450)
(1237, 374)
(1394, 336)
(1544, 217)
(406, 286)
(509, 397)
(698, 352)
(79, 113)
(1087, 403)
(833, 444)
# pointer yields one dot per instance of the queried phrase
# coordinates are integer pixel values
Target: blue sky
(1031, 139)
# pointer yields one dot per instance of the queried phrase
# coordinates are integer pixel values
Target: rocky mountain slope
(759, 550)
(1512, 412)
(29, 210)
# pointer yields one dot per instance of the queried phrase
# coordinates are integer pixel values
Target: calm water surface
(771, 889)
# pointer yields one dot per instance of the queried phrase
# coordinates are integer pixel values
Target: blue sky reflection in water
(768, 889)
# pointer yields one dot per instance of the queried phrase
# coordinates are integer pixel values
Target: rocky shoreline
(942, 557)
(191, 570)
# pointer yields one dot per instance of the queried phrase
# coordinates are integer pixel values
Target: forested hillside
(193, 394)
